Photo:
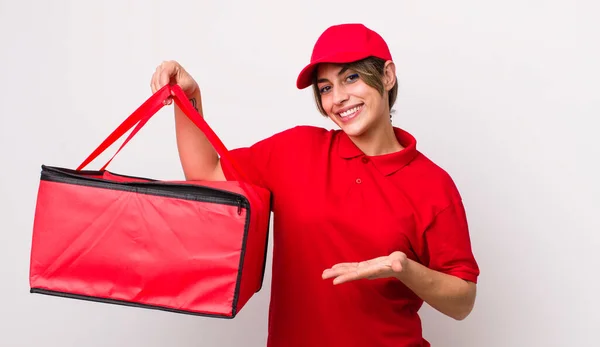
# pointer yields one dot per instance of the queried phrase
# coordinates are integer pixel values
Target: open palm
(381, 267)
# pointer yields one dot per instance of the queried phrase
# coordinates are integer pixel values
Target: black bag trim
(124, 303)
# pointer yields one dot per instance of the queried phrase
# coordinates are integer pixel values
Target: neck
(379, 140)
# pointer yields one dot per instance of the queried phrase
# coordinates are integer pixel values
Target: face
(349, 102)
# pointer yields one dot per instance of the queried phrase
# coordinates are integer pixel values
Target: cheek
(326, 103)
(372, 98)
(362, 91)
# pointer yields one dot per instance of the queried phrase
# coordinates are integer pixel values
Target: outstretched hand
(382, 267)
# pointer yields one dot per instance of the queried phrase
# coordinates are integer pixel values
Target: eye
(325, 89)
(352, 78)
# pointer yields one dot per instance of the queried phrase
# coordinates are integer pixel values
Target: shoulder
(303, 132)
(285, 140)
(435, 183)
(300, 137)
(279, 145)
(432, 190)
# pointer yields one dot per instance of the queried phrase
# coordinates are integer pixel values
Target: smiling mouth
(350, 112)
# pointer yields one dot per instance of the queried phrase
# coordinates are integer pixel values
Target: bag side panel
(174, 253)
(255, 250)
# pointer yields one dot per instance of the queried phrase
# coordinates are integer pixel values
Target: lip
(349, 118)
(337, 112)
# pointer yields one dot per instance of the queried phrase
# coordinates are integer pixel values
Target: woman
(366, 228)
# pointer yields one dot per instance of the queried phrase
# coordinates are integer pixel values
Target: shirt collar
(387, 164)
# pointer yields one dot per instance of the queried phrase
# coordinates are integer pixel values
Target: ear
(389, 75)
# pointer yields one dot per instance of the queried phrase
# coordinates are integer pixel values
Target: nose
(339, 95)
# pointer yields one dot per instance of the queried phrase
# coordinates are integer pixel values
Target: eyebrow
(322, 80)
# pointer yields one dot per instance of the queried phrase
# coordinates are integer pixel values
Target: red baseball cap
(343, 43)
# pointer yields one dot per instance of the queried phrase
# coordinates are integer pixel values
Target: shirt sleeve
(448, 244)
(260, 163)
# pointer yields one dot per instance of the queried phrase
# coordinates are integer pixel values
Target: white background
(504, 95)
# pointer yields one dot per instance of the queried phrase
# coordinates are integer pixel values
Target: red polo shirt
(333, 204)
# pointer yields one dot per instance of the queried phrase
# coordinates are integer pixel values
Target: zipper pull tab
(239, 211)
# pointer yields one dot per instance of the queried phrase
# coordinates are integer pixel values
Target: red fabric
(333, 204)
(124, 246)
(343, 43)
(108, 237)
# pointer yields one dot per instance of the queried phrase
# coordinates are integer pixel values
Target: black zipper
(240, 205)
(152, 187)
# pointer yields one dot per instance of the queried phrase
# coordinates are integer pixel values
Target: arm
(448, 294)
(198, 157)
(447, 283)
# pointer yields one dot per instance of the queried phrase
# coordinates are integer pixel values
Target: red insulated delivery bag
(193, 247)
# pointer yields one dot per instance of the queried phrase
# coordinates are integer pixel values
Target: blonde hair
(370, 71)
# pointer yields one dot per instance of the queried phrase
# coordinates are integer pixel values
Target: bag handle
(150, 107)
(140, 116)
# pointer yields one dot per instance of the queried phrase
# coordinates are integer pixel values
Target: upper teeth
(349, 112)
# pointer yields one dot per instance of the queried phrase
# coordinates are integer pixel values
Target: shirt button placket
(365, 160)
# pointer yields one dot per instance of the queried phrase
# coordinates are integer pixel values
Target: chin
(353, 129)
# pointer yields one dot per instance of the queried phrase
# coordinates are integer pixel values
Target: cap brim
(305, 78)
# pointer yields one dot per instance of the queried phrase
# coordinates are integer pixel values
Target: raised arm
(198, 158)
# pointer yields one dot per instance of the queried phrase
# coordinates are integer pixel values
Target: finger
(153, 82)
(161, 73)
(155, 78)
(397, 265)
(381, 269)
(163, 78)
(338, 271)
(350, 276)
(397, 259)
(354, 264)
(344, 267)
(363, 263)
(341, 268)
(170, 98)
(375, 260)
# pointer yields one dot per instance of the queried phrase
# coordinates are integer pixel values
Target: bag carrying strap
(150, 107)
(146, 110)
